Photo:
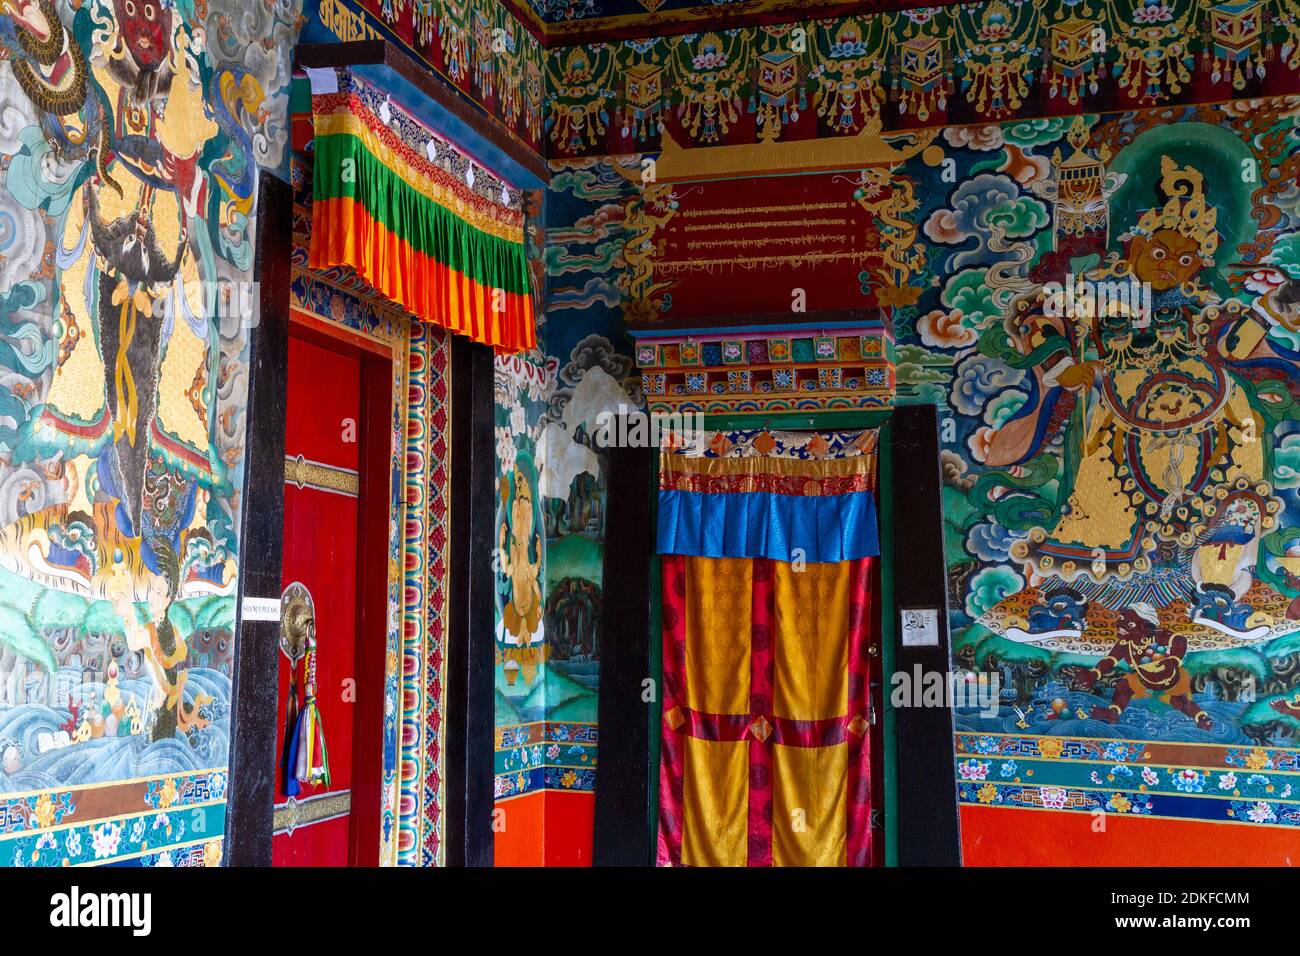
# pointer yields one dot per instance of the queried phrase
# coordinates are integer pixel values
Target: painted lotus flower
(1227, 781)
(846, 49)
(711, 58)
(1261, 812)
(1257, 759)
(1050, 748)
(1054, 798)
(973, 769)
(44, 811)
(1153, 13)
(105, 840)
(1189, 781)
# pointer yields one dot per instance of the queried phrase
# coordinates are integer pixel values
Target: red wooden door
(321, 529)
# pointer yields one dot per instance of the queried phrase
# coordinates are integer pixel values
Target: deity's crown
(1185, 208)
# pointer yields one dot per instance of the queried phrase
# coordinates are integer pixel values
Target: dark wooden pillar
(253, 730)
(622, 836)
(471, 635)
(927, 791)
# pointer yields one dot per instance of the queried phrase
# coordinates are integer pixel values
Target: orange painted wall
(998, 836)
(520, 842)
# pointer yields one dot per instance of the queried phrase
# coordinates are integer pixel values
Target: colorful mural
(1111, 336)
(726, 84)
(131, 146)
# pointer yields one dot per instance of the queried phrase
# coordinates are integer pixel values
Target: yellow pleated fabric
(809, 805)
(715, 824)
(812, 608)
(811, 657)
(718, 634)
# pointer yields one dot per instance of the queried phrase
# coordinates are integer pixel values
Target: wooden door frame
(255, 683)
(921, 827)
(468, 719)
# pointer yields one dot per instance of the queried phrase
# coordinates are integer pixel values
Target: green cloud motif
(1003, 406)
(989, 587)
(1285, 255)
(1020, 217)
(967, 291)
(1286, 462)
(1036, 132)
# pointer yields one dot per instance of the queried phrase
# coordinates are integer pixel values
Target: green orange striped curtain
(419, 234)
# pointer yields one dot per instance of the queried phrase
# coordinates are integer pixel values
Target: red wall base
(998, 836)
(570, 819)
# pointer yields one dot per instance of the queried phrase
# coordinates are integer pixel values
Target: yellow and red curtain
(417, 232)
(768, 551)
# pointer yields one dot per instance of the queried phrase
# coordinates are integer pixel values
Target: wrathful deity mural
(132, 135)
(1111, 333)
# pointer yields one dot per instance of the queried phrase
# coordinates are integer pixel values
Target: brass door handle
(297, 621)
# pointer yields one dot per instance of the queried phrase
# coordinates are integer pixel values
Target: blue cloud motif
(977, 378)
(990, 542)
(975, 207)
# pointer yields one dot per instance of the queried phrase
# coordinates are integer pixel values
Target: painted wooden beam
(254, 730)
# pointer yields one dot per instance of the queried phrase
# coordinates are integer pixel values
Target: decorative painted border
(125, 837)
(779, 370)
(455, 38)
(45, 808)
(435, 346)
(545, 755)
(586, 22)
(1256, 785)
(1132, 802)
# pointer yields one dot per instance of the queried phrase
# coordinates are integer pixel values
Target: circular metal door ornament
(297, 621)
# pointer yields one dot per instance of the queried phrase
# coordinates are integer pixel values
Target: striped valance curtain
(428, 233)
(764, 494)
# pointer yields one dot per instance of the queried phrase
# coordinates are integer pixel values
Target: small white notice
(261, 608)
(920, 626)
